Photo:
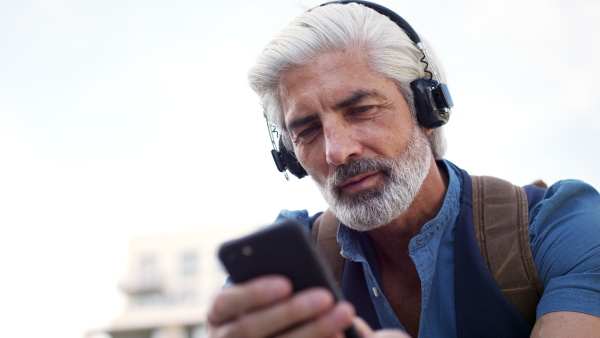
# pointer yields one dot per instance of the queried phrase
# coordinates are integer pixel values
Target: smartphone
(284, 248)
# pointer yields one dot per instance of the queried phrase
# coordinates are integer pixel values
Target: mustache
(357, 167)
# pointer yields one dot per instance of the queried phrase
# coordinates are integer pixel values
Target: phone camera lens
(247, 250)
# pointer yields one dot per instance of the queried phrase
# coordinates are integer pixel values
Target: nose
(341, 142)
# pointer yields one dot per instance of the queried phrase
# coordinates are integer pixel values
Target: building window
(148, 300)
(198, 331)
(189, 264)
(188, 297)
(148, 271)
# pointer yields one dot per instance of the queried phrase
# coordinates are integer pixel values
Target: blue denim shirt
(432, 251)
(565, 242)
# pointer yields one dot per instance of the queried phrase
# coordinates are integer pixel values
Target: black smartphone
(283, 248)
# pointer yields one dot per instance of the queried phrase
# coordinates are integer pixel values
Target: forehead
(327, 79)
(325, 68)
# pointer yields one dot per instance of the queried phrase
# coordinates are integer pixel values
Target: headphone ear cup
(290, 161)
(432, 101)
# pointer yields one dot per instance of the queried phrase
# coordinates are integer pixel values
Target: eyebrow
(297, 122)
(353, 99)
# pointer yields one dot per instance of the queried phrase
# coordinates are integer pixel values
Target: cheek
(382, 138)
(313, 161)
(390, 139)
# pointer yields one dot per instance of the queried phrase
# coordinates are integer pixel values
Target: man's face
(353, 132)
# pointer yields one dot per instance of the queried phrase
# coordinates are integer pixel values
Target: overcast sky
(121, 118)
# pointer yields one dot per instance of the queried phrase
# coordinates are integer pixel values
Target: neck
(426, 205)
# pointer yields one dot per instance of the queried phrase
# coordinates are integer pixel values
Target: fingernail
(317, 300)
(341, 315)
(277, 288)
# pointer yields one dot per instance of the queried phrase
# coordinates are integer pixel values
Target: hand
(365, 331)
(265, 306)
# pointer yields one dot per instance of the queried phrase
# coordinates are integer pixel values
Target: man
(337, 83)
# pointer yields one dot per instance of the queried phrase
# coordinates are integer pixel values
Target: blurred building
(169, 282)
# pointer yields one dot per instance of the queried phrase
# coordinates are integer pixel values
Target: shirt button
(376, 292)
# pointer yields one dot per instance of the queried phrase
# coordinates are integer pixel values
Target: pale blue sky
(123, 118)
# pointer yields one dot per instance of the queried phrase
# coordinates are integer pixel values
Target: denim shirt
(565, 242)
(432, 251)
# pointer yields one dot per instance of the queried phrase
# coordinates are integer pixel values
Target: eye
(360, 110)
(307, 134)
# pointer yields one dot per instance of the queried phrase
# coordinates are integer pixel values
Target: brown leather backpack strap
(500, 219)
(324, 233)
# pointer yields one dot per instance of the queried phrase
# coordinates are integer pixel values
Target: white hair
(336, 27)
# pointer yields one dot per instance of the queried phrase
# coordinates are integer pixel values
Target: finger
(362, 327)
(330, 324)
(272, 320)
(245, 297)
(389, 334)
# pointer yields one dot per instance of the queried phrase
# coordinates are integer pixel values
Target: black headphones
(431, 97)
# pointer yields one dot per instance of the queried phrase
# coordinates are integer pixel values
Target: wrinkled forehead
(329, 72)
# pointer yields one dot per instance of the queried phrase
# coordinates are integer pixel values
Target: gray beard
(373, 207)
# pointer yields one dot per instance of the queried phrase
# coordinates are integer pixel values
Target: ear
(427, 131)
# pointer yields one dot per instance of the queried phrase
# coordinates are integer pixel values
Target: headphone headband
(397, 19)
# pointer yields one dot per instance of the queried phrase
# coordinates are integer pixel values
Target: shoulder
(569, 210)
(566, 206)
(572, 192)
(300, 216)
(565, 242)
